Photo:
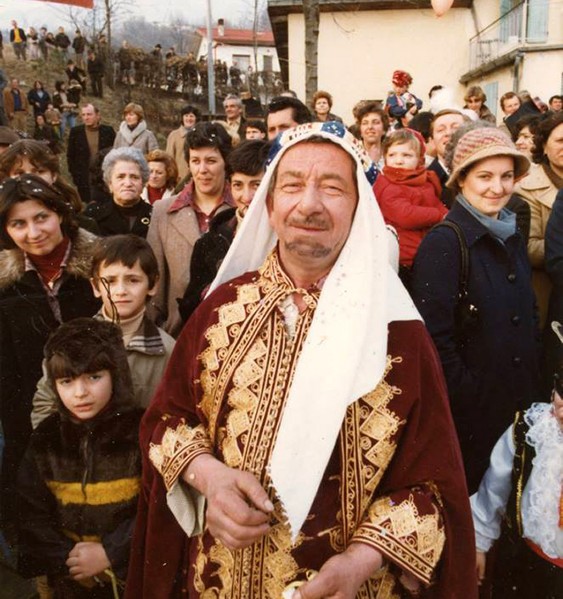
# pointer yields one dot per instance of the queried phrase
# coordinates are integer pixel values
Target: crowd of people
(282, 357)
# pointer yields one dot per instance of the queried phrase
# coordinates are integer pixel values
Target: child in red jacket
(408, 194)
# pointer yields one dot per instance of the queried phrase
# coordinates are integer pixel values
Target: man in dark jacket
(444, 124)
(79, 45)
(62, 42)
(84, 142)
(18, 39)
(95, 68)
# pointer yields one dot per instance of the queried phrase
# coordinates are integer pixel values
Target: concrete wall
(358, 52)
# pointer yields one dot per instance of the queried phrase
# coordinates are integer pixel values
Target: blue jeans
(68, 119)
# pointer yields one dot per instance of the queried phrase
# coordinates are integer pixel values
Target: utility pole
(210, 65)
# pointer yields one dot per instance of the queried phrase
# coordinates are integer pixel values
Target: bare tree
(312, 18)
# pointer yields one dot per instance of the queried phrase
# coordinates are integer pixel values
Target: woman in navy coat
(488, 342)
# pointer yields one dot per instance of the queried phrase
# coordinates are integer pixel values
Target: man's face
(243, 188)
(442, 130)
(15, 83)
(312, 206)
(511, 105)
(232, 110)
(279, 121)
(556, 104)
(89, 116)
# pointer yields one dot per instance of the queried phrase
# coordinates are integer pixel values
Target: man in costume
(301, 439)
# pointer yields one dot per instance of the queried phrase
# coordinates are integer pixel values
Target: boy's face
(243, 188)
(86, 395)
(126, 288)
(402, 156)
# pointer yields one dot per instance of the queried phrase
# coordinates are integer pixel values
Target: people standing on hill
(18, 40)
(133, 131)
(39, 98)
(95, 68)
(16, 106)
(75, 73)
(175, 144)
(62, 41)
(33, 43)
(84, 143)
(68, 109)
(79, 45)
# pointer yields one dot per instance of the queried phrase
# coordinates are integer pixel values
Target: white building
(240, 46)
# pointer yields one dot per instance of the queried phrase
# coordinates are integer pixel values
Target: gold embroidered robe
(394, 481)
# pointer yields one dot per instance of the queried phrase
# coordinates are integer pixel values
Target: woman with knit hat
(471, 283)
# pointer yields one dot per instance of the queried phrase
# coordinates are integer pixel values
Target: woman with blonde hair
(475, 99)
(163, 174)
(133, 131)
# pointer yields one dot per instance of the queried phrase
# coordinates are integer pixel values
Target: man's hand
(342, 575)
(238, 508)
(86, 560)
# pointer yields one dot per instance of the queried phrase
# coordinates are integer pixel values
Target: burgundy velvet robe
(394, 482)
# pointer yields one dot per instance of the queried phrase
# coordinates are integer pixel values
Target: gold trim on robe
(246, 368)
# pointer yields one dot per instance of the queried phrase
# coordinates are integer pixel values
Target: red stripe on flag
(82, 3)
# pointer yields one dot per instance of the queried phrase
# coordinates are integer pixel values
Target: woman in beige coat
(179, 221)
(176, 141)
(539, 189)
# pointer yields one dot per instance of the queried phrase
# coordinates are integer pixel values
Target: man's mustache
(310, 222)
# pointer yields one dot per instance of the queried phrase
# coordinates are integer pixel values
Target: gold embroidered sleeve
(177, 448)
(407, 528)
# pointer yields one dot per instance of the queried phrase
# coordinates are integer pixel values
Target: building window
(268, 63)
(538, 18)
(491, 91)
(243, 61)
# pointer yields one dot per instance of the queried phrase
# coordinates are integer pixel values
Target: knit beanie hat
(485, 142)
(401, 78)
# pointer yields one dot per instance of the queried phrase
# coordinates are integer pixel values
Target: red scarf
(413, 177)
(155, 194)
(49, 265)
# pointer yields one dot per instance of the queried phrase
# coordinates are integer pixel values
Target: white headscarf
(344, 355)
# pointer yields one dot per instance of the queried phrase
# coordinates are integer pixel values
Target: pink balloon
(441, 7)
